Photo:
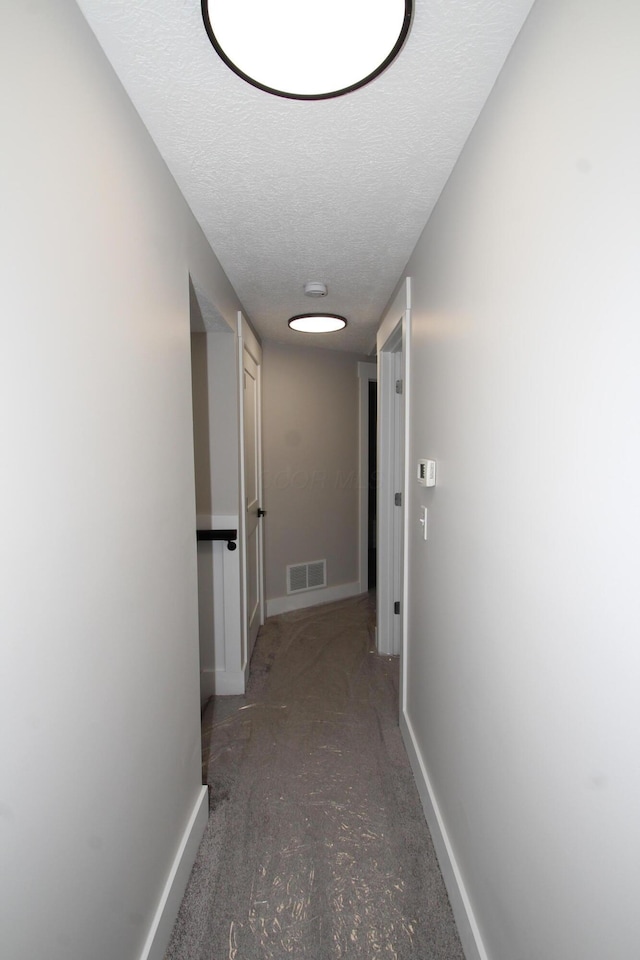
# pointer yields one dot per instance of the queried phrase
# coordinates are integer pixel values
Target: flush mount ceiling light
(317, 322)
(309, 50)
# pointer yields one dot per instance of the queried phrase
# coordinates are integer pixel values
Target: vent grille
(306, 576)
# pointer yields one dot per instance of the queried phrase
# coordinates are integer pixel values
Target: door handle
(261, 512)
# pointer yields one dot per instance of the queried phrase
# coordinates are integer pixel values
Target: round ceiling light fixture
(307, 51)
(317, 322)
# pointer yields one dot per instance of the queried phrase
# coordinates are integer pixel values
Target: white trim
(223, 683)
(247, 341)
(406, 351)
(262, 588)
(367, 372)
(228, 626)
(460, 904)
(401, 301)
(384, 577)
(226, 665)
(392, 344)
(312, 598)
(167, 910)
(242, 501)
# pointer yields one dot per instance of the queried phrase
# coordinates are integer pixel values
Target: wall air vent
(306, 576)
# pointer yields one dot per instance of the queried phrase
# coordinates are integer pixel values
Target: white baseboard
(312, 598)
(222, 683)
(460, 903)
(162, 926)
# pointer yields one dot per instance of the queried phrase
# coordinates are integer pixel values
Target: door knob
(261, 512)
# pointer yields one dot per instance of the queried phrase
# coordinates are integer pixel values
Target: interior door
(393, 396)
(252, 484)
(399, 496)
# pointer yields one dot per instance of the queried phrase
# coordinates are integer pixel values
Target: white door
(399, 493)
(251, 357)
(392, 480)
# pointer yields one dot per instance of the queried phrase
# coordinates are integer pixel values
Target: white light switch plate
(423, 521)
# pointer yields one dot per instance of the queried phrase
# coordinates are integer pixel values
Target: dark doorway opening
(372, 483)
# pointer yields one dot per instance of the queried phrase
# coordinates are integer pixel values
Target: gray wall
(522, 662)
(201, 430)
(99, 702)
(310, 442)
(216, 425)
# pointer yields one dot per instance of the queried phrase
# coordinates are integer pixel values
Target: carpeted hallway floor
(316, 847)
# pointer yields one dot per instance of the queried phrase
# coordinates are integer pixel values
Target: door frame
(248, 341)
(367, 373)
(393, 346)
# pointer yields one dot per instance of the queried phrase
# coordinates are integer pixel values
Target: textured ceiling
(288, 191)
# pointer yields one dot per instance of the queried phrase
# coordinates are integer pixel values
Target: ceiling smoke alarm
(314, 288)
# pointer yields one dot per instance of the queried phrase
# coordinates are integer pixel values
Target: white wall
(99, 702)
(311, 466)
(217, 456)
(523, 661)
(216, 421)
(224, 421)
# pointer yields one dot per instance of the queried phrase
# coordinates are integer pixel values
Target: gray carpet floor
(316, 847)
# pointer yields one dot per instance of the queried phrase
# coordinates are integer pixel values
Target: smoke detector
(315, 288)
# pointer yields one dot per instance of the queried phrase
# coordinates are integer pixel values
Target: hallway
(316, 844)
(520, 711)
